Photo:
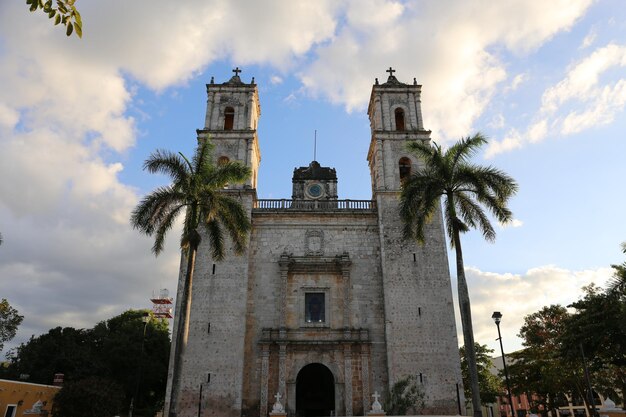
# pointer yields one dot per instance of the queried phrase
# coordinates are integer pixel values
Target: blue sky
(546, 81)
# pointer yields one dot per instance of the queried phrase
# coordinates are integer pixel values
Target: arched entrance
(315, 391)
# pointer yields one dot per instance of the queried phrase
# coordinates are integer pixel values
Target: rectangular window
(10, 411)
(314, 307)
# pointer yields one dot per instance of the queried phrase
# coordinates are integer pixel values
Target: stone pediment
(335, 264)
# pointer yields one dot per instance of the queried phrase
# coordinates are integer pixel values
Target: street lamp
(497, 316)
(145, 319)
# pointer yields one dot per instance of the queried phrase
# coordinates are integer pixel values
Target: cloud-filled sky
(546, 81)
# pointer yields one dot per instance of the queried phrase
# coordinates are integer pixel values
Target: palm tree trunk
(466, 322)
(182, 331)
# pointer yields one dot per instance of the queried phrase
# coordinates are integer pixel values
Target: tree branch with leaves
(63, 12)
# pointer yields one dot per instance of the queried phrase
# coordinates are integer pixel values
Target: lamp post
(145, 319)
(497, 316)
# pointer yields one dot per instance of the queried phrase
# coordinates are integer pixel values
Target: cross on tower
(391, 71)
(236, 71)
(278, 397)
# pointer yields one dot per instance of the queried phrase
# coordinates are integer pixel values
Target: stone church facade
(329, 303)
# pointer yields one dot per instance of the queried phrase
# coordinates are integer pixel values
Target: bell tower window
(399, 114)
(405, 169)
(229, 118)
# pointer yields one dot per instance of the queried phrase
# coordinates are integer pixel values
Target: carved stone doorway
(315, 391)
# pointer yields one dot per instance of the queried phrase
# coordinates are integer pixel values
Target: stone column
(347, 354)
(347, 292)
(265, 365)
(209, 110)
(413, 112)
(365, 375)
(284, 270)
(250, 107)
(282, 370)
(380, 168)
(215, 114)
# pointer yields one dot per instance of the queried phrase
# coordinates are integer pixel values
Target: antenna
(315, 145)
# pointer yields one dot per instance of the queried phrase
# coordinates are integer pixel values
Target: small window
(222, 160)
(399, 113)
(229, 118)
(315, 308)
(405, 168)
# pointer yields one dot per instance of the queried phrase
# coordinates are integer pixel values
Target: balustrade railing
(312, 205)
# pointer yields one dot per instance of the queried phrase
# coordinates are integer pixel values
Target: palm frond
(464, 149)
(168, 163)
(473, 215)
(466, 189)
(196, 186)
(154, 207)
(163, 227)
(235, 219)
(202, 157)
(228, 173)
(216, 238)
(420, 201)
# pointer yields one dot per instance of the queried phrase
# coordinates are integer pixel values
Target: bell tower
(395, 113)
(419, 315)
(232, 116)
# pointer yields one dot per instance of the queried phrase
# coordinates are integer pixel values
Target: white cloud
(537, 131)
(446, 46)
(585, 98)
(497, 121)
(589, 39)
(517, 295)
(275, 79)
(518, 80)
(512, 140)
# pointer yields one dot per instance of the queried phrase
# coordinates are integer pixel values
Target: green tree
(197, 190)
(490, 385)
(64, 350)
(598, 325)
(62, 11)
(135, 354)
(466, 190)
(403, 397)
(89, 397)
(122, 349)
(540, 368)
(9, 320)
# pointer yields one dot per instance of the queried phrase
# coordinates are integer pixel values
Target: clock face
(314, 190)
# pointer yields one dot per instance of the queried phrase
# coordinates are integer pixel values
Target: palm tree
(197, 190)
(467, 189)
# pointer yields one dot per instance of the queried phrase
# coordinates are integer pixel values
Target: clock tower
(314, 182)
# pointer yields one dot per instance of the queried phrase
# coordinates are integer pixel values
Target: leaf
(57, 20)
(78, 29)
(77, 17)
(69, 30)
(33, 7)
(62, 8)
(52, 13)
(29, 1)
